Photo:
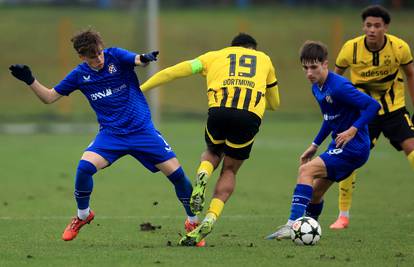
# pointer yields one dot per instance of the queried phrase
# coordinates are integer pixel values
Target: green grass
(34, 36)
(36, 203)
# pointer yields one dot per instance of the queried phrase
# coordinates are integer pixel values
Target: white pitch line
(165, 217)
(104, 217)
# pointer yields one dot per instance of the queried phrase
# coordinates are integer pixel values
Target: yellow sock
(346, 188)
(215, 209)
(207, 167)
(411, 158)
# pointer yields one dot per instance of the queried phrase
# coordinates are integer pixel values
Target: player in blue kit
(107, 79)
(346, 113)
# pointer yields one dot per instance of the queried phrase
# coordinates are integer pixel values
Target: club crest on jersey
(111, 68)
(387, 60)
(328, 99)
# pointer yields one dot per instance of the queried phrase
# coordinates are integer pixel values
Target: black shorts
(396, 126)
(231, 131)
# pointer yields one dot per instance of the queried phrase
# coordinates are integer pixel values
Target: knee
(304, 170)
(306, 174)
(86, 168)
(230, 167)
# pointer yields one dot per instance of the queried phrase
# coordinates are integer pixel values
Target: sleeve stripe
(196, 66)
(271, 85)
(340, 67)
(411, 61)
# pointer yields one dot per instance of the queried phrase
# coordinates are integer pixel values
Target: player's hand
(23, 73)
(308, 154)
(343, 138)
(152, 56)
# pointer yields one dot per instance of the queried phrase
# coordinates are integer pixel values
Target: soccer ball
(305, 231)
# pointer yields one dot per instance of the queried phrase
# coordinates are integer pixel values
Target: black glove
(145, 58)
(412, 117)
(23, 73)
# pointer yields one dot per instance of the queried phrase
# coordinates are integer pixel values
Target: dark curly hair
(244, 40)
(376, 11)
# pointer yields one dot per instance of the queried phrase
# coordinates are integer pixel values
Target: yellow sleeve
(205, 61)
(405, 52)
(179, 70)
(272, 98)
(342, 60)
(272, 90)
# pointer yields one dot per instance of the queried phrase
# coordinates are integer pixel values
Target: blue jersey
(343, 106)
(113, 92)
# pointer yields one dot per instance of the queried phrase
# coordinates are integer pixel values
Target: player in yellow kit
(376, 61)
(241, 84)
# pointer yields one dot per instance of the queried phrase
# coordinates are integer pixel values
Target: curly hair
(376, 11)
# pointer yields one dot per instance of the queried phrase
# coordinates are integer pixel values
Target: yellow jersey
(377, 73)
(237, 77)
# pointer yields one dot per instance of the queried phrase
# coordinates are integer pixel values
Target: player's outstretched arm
(23, 73)
(180, 70)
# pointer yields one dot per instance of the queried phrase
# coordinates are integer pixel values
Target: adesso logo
(100, 95)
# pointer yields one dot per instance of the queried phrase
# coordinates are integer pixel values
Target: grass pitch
(36, 203)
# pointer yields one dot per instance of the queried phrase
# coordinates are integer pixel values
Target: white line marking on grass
(166, 217)
(105, 217)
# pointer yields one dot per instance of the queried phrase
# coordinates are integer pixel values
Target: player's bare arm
(339, 71)
(409, 73)
(23, 73)
(343, 138)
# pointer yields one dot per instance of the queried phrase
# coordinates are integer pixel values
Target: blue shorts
(147, 146)
(340, 163)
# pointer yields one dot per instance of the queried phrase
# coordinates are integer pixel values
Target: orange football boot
(188, 226)
(341, 223)
(72, 230)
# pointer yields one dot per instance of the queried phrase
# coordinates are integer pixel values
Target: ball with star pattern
(305, 231)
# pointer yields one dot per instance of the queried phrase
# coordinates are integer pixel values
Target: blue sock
(301, 197)
(183, 188)
(314, 210)
(84, 183)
